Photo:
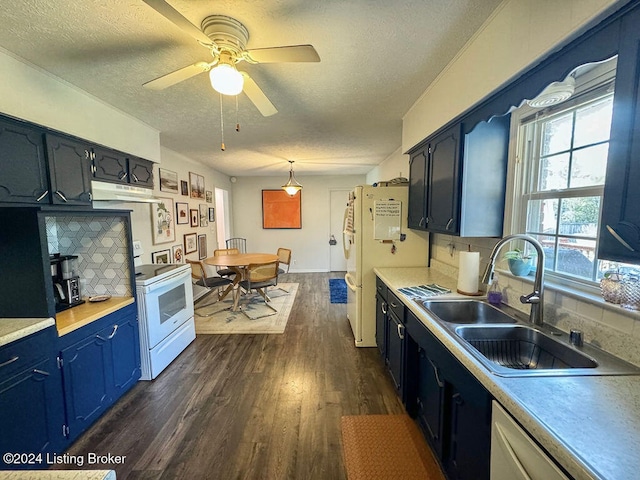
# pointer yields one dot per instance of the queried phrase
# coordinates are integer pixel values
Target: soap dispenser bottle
(494, 296)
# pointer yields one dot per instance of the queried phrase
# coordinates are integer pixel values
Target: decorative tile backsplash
(102, 249)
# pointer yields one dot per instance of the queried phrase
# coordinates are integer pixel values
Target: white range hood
(104, 191)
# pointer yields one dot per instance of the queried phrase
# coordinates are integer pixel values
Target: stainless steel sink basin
(521, 350)
(466, 312)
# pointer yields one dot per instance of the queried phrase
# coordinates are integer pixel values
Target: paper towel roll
(468, 273)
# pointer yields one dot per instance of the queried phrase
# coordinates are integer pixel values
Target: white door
(339, 199)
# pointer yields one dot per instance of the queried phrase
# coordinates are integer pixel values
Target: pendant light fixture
(292, 186)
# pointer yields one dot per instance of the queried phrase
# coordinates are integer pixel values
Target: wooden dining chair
(212, 284)
(225, 272)
(284, 258)
(259, 277)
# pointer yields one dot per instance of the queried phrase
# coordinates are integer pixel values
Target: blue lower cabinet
(86, 381)
(451, 406)
(31, 404)
(100, 363)
(125, 355)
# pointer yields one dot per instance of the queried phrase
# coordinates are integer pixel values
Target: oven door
(168, 303)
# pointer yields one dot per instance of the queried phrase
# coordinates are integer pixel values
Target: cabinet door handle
(113, 334)
(46, 192)
(421, 222)
(61, 195)
(435, 371)
(617, 236)
(400, 331)
(41, 372)
(87, 155)
(383, 307)
(9, 362)
(393, 305)
(123, 176)
(449, 224)
(135, 179)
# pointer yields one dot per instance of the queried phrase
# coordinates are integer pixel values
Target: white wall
(517, 34)
(395, 165)
(310, 244)
(29, 93)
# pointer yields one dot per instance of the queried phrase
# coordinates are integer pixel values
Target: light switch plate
(137, 248)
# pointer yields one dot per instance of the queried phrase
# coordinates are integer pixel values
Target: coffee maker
(66, 283)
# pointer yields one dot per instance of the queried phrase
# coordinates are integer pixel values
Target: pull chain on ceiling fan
(226, 40)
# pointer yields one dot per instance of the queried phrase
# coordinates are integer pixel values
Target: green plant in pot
(519, 262)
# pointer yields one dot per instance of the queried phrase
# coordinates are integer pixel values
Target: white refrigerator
(376, 235)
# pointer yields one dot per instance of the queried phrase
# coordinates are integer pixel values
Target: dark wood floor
(250, 406)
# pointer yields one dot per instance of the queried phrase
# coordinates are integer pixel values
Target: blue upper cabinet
(445, 195)
(620, 224)
(23, 166)
(69, 171)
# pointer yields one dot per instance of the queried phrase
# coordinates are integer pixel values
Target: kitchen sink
(466, 312)
(522, 350)
(506, 344)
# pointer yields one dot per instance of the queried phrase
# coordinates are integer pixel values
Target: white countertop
(12, 329)
(589, 424)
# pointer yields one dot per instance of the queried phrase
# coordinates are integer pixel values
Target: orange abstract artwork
(279, 210)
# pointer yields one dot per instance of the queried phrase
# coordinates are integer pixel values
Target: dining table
(238, 263)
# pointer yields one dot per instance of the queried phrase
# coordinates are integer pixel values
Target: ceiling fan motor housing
(226, 33)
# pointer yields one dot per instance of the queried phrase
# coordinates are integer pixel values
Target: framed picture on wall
(197, 185)
(212, 214)
(184, 187)
(209, 196)
(280, 210)
(182, 213)
(162, 221)
(204, 219)
(190, 243)
(168, 181)
(161, 256)
(202, 246)
(177, 252)
(195, 217)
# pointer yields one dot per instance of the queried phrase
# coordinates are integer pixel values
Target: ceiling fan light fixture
(292, 186)
(226, 80)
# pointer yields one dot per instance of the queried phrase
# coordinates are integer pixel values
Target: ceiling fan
(226, 39)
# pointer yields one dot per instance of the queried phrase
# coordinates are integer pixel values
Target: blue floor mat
(338, 290)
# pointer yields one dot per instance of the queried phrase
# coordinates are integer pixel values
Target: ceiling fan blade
(171, 14)
(257, 96)
(178, 76)
(293, 53)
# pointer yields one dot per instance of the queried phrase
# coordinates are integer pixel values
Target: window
(561, 170)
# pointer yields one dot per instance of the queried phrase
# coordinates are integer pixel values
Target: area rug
(338, 290)
(228, 322)
(386, 447)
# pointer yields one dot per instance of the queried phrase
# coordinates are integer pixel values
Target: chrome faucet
(535, 298)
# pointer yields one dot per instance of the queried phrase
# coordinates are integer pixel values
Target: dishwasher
(514, 454)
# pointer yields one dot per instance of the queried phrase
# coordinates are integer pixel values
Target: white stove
(165, 311)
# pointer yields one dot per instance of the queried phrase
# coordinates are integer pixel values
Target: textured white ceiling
(342, 115)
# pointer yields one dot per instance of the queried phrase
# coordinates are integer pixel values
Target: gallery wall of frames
(184, 202)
